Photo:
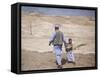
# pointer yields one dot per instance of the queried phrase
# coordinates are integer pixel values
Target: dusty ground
(36, 32)
(36, 61)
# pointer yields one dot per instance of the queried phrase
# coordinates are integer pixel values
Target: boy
(69, 50)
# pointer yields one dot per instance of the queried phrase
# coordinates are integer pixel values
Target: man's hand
(50, 43)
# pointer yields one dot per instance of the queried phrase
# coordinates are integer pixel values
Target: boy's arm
(71, 47)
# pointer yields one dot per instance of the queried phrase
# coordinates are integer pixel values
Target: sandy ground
(37, 61)
(36, 32)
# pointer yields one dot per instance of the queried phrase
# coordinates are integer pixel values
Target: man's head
(57, 27)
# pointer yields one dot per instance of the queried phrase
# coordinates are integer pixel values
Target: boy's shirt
(68, 47)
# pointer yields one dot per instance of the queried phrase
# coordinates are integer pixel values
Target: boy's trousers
(70, 56)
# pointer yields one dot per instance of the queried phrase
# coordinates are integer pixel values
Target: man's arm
(52, 38)
(64, 40)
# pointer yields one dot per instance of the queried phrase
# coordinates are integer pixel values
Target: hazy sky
(58, 11)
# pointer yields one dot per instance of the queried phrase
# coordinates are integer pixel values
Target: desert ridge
(37, 29)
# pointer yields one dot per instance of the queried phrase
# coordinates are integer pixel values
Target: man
(57, 41)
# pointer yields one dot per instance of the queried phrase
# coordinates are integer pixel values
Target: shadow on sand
(63, 61)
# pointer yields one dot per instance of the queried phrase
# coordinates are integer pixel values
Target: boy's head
(70, 40)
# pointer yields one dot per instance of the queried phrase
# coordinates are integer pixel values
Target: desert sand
(36, 32)
(32, 60)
